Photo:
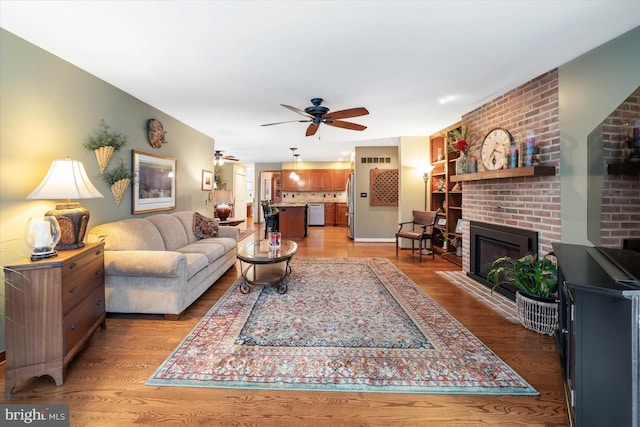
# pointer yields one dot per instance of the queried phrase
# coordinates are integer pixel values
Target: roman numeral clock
(495, 149)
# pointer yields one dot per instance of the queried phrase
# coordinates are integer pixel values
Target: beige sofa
(158, 265)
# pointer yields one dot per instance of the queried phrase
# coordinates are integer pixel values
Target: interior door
(240, 194)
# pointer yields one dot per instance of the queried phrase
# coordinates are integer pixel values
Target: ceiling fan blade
(297, 110)
(288, 121)
(345, 125)
(312, 129)
(345, 114)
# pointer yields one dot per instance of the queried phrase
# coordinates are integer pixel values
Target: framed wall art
(154, 187)
(207, 180)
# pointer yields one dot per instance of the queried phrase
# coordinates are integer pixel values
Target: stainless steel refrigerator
(351, 198)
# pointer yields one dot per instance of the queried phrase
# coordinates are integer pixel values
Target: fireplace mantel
(506, 173)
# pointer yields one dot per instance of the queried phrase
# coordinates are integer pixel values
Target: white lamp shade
(66, 179)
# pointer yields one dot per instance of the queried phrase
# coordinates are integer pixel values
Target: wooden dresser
(53, 307)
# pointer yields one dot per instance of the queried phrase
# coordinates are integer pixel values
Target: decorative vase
(462, 164)
(223, 211)
(103, 155)
(118, 188)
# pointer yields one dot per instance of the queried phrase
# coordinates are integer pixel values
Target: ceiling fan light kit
(317, 114)
(220, 158)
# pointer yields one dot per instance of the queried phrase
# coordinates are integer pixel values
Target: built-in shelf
(506, 173)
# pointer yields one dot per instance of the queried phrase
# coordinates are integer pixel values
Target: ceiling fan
(220, 158)
(317, 114)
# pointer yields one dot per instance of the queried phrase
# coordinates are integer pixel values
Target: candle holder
(42, 234)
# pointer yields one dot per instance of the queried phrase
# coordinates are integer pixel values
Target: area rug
(494, 300)
(345, 324)
(246, 233)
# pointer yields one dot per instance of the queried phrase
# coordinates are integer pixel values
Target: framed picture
(154, 184)
(459, 226)
(441, 221)
(207, 180)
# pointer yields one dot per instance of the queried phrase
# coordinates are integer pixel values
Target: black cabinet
(598, 337)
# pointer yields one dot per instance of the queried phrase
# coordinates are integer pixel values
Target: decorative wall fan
(317, 114)
(220, 158)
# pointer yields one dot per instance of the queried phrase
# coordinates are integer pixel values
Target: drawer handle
(73, 289)
(72, 265)
(98, 252)
(99, 302)
(74, 326)
(98, 272)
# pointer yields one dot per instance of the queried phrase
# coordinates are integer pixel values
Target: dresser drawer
(79, 320)
(76, 264)
(76, 286)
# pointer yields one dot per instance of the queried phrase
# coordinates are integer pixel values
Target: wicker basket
(537, 315)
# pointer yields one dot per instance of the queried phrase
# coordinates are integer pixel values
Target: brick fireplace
(526, 203)
(534, 203)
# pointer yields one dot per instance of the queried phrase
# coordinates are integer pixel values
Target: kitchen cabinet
(54, 305)
(289, 184)
(341, 215)
(329, 214)
(316, 180)
(340, 179)
(320, 180)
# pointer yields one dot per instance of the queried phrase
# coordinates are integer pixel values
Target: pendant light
(293, 175)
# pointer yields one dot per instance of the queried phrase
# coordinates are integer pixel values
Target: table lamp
(67, 180)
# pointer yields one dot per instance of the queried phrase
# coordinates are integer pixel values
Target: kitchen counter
(292, 220)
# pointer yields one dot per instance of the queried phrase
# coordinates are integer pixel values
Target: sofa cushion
(228, 243)
(212, 250)
(127, 235)
(186, 218)
(171, 230)
(195, 263)
(203, 226)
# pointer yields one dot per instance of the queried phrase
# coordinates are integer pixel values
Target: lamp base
(73, 220)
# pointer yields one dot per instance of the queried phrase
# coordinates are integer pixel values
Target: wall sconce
(66, 180)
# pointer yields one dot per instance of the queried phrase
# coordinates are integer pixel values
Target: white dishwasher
(315, 213)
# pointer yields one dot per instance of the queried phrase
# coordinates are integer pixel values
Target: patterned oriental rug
(345, 324)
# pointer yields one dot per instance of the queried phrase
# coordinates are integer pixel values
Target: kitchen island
(292, 220)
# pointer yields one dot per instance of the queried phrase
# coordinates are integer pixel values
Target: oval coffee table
(262, 265)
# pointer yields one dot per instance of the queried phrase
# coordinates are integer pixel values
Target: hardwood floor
(105, 383)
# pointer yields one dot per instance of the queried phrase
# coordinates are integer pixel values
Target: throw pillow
(203, 226)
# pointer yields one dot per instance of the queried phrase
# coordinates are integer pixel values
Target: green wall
(590, 88)
(47, 109)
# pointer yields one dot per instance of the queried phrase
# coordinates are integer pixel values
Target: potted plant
(536, 281)
(104, 144)
(118, 179)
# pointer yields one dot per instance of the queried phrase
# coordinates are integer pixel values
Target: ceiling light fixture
(293, 175)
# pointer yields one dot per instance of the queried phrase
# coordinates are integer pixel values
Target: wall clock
(495, 149)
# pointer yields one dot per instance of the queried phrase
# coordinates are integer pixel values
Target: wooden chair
(420, 229)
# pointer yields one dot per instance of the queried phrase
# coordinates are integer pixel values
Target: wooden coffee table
(262, 265)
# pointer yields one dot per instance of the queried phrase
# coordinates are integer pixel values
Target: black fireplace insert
(489, 242)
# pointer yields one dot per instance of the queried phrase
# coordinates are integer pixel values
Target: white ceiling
(224, 67)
